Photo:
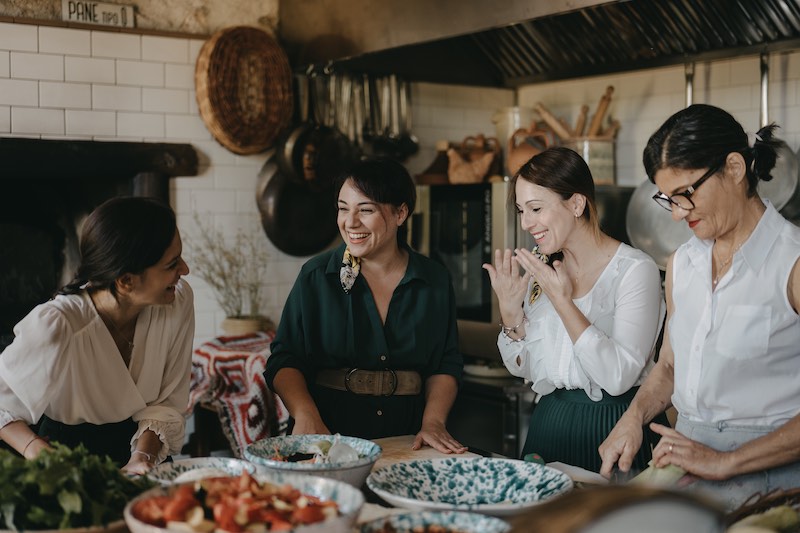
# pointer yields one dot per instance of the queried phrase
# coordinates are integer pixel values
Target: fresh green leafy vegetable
(63, 488)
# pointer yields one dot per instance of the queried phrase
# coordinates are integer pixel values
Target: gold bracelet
(25, 449)
(149, 457)
(513, 329)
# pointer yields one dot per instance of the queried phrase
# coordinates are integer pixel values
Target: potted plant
(235, 268)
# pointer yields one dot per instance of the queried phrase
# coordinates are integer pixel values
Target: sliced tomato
(151, 510)
(182, 500)
(307, 515)
(225, 517)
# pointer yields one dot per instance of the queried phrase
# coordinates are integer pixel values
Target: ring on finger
(670, 447)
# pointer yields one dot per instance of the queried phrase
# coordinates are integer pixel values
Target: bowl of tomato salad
(247, 503)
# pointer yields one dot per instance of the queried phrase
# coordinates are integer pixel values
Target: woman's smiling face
(545, 215)
(366, 225)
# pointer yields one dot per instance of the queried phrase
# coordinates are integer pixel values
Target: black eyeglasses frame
(667, 201)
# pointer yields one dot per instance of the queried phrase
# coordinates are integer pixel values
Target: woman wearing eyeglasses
(730, 361)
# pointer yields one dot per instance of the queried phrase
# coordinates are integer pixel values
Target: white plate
(182, 469)
(499, 487)
(486, 371)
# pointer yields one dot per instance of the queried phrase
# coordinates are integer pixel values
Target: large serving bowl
(448, 520)
(185, 470)
(499, 487)
(354, 472)
(349, 499)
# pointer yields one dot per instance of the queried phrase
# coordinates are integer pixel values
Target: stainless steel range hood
(516, 42)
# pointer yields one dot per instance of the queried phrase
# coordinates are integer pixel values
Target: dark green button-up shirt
(324, 327)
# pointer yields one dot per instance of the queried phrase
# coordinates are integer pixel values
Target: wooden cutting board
(398, 449)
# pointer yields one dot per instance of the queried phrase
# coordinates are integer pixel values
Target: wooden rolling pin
(602, 107)
(581, 122)
(557, 127)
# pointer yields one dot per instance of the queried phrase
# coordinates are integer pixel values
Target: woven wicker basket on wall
(244, 88)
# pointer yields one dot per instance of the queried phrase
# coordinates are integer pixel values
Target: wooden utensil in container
(602, 107)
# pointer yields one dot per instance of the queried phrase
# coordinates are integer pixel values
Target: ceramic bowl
(450, 520)
(499, 487)
(349, 499)
(354, 472)
(185, 470)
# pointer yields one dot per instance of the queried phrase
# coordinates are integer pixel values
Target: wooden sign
(99, 13)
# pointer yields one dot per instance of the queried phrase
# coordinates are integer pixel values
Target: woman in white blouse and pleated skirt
(107, 362)
(582, 322)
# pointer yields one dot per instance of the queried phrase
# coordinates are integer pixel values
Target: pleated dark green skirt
(567, 426)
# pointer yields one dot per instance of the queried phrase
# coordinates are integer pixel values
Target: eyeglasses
(684, 199)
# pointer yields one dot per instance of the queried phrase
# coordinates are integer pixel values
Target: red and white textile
(228, 374)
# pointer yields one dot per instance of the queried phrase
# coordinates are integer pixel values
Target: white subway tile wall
(5, 64)
(91, 123)
(64, 41)
(32, 66)
(141, 73)
(65, 95)
(71, 83)
(5, 119)
(18, 37)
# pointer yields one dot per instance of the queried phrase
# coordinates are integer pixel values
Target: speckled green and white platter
(260, 452)
(186, 469)
(452, 520)
(499, 487)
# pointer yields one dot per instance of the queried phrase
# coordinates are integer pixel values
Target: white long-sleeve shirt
(625, 308)
(64, 363)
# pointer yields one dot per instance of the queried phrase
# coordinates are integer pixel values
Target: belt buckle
(347, 379)
(394, 382)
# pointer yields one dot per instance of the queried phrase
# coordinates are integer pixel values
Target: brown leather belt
(372, 382)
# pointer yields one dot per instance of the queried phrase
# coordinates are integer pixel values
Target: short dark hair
(564, 172)
(123, 235)
(385, 181)
(701, 136)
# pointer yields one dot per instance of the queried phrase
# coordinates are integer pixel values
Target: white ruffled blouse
(64, 363)
(626, 310)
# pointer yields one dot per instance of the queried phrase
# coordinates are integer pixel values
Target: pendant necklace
(721, 267)
(128, 341)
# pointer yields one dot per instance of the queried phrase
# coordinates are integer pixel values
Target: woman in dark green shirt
(367, 345)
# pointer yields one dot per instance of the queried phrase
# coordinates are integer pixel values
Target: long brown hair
(124, 235)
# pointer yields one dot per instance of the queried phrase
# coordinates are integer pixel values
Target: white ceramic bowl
(349, 499)
(451, 520)
(354, 472)
(184, 470)
(499, 487)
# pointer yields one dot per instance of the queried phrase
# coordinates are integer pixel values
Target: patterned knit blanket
(227, 374)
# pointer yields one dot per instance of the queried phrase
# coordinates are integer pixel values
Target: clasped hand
(511, 288)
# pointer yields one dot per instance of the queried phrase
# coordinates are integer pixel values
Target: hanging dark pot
(314, 153)
(298, 219)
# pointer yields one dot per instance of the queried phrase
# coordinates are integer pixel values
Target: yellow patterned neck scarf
(351, 266)
(536, 289)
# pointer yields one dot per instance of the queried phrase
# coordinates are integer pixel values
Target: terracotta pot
(242, 326)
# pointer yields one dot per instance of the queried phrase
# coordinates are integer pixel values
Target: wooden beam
(69, 159)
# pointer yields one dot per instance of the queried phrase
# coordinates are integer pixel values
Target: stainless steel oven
(460, 226)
